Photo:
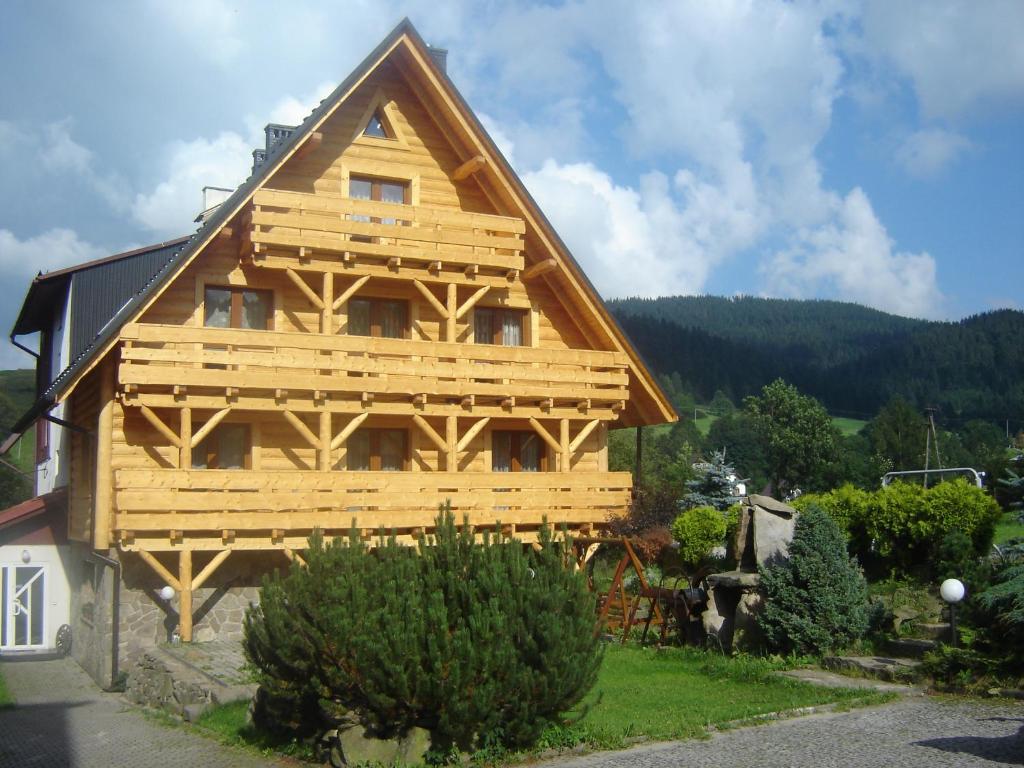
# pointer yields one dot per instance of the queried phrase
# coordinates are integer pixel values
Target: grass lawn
(704, 422)
(1008, 528)
(672, 694)
(6, 700)
(848, 427)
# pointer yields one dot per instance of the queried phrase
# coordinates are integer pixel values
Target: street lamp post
(952, 591)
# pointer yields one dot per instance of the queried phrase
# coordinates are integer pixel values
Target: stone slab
(772, 534)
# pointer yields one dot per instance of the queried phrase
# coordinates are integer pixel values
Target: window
(376, 127)
(517, 452)
(377, 190)
(42, 440)
(229, 446)
(378, 450)
(380, 318)
(503, 327)
(238, 308)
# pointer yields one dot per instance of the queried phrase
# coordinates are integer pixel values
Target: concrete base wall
(145, 619)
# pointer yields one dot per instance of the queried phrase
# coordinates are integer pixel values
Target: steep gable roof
(418, 60)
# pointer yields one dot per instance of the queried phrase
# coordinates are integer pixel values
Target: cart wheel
(64, 640)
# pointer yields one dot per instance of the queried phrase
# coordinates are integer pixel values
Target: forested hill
(852, 358)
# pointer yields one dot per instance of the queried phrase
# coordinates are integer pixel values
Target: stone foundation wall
(91, 588)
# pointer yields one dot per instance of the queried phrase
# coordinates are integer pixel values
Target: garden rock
(351, 745)
(746, 635)
(773, 530)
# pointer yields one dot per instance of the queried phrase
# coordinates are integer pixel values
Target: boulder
(746, 634)
(772, 534)
(351, 745)
(771, 505)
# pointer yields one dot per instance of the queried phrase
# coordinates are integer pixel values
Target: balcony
(351, 229)
(215, 509)
(168, 356)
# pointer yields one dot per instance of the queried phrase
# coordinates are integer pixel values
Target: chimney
(440, 57)
(212, 198)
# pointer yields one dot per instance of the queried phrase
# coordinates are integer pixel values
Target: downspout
(23, 348)
(115, 613)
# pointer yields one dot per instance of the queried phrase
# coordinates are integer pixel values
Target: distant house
(379, 319)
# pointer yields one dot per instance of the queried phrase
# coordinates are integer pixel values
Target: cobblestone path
(61, 720)
(927, 732)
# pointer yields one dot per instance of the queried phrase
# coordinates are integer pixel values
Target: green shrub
(999, 613)
(900, 529)
(698, 531)
(461, 638)
(816, 601)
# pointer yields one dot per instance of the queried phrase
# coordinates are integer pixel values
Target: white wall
(58, 590)
(55, 471)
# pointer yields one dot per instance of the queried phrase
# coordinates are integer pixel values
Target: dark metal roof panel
(99, 292)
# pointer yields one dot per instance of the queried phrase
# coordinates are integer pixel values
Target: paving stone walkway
(61, 720)
(921, 732)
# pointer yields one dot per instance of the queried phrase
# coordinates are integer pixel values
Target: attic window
(376, 127)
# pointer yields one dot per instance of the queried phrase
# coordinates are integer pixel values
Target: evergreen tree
(714, 487)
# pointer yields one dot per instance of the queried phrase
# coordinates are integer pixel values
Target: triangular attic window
(377, 128)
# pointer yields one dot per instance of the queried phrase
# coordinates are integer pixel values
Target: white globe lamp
(952, 591)
(167, 592)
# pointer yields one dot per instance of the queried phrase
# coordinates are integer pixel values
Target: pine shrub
(816, 601)
(476, 642)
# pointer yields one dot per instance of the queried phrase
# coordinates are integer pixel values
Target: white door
(23, 614)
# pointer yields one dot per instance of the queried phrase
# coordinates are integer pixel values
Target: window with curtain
(381, 191)
(503, 327)
(228, 446)
(378, 450)
(231, 307)
(517, 451)
(381, 318)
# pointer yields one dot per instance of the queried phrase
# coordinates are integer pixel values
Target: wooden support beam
(103, 495)
(468, 168)
(159, 569)
(185, 454)
(303, 286)
(472, 432)
(349, 292)
(211, 566)
(325, 441)
(301, 428)
(545, 435)
(209, 426)
(185, 595)
(583, 435)
(566, 453)
(327, 310)
(540, 268)
(471, 270)
(395, 263)
(347, 431)
(430, 432)
(452, 450)
(469, 303)
(431, 299)
(453, 301)
(294, 556)
(159, 426)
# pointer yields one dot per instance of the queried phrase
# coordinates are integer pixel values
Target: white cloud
(506, 145)
(20, 260)
(958, 54)
(61, 154)
(927, 152)
(851, 258)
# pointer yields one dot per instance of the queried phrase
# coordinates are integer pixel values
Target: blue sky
(863, 151)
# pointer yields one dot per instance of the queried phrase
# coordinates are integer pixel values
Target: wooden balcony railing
(257, 509)
(169, 355)
(290, 220)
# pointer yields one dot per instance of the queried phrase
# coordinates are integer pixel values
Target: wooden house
(378, 320)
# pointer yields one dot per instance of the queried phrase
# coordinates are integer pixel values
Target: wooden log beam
(303, 286)
(103, 497)
(453, 302)
(185, 454)
(347, 431)
(209, 426)
(312, 142)
(349, 292)
(211, 566)
(565, 451)
(159, 426)
(469, 303)
(159, 569)
(538, 269)
(431, 299)
(185, 595)
(583, 435)
(430, 432)
(472, 432)
(545, 435)
(301, 428)
(327, 310)
(294, 556)
(452, 449)
(468, 168)
(324, 453)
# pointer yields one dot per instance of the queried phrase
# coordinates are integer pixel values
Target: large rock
(772, 534)
(746, 634)
(353, 745)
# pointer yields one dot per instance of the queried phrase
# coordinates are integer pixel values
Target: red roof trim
(55, 501)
